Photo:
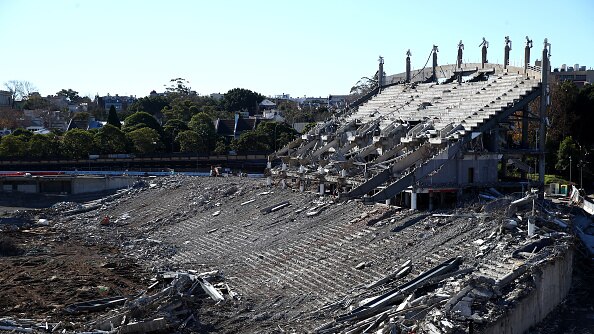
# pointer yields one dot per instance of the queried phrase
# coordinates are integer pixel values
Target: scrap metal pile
(292, 261)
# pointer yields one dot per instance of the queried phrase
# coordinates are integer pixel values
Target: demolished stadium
(333, 247)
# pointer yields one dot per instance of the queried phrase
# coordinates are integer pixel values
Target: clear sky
(299, 47)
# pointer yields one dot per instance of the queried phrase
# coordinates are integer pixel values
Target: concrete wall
(484, 171)
(94, 184)
(552, 281)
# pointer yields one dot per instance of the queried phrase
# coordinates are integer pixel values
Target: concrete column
(544, 101)
(389, 201)
(380, 73)
(322, 190)
(413, 200)
(430, 201)
(408, 66)
(527, 54)
(301, 186)
(283, 184)
(506, 52)
(531, 226)
(269, 181)
(435, 63)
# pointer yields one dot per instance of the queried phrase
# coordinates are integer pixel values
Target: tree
(239, 99)
(24, 134)
(309, 126)
(43, 146)
(561, 113)
(77, 144)
(145, 140)
(189, 141)
(170, 131)
(202, 124)
(69, 94)
(12, 146)
(568, 150)
(110, 139)
(179, 86)
(150, 104)
(83, 116)
(276, 135)
(221, 148)
(363, 86)
(19, 89)
(140, 120)
(36, 102)
(113, 118)
(250, 141)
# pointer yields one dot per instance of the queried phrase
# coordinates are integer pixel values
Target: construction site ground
(295, 261)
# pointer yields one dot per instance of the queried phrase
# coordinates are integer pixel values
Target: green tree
(12, 146)
(140, 120)
(145, 140)
(170, 131)
(221, 148)
(43, 146)
(567, 150)
(77, 144)
(250, 141)
(179, 86)
(153, 104)
(309, 126)
(113, 118)
(189, 141)
(561, 113)
(23, 134)
(276, 135)
(69, 94)
(36, 102)
(240, 99)
(110, 139)
(84, 116)
(202, 124)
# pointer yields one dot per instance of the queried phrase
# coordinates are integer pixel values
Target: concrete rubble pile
(462, 294)
(299, 260)
(167, 305)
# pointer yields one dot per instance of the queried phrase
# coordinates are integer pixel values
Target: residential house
(85, 124)
(5, 98)
(266, 104)
(120, 103)
(337, 101)
(233, 128)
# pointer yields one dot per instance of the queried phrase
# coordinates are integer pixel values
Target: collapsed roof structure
(439, 129)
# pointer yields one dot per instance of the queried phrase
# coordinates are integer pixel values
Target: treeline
(179, 121)
(570, 136)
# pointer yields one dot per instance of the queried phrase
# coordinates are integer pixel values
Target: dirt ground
(50, 272)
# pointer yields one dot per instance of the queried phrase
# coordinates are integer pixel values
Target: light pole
(569, 169)
(581, 166)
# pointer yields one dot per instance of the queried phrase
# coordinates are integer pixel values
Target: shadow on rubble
(8, 247)
(410, 221)
(38, 201)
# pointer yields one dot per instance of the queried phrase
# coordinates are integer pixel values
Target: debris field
(229, 255)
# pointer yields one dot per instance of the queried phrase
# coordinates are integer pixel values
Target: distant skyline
(305, 47)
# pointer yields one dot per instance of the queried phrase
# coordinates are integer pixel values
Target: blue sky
(312, 48)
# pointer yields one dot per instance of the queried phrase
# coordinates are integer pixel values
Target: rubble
(283, 268)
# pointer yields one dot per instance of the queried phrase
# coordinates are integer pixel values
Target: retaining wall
(552, 282)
